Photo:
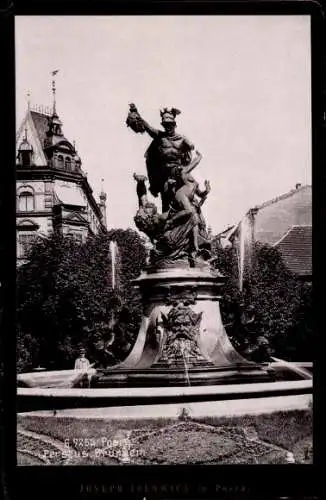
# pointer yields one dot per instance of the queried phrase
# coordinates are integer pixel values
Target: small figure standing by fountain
(82, 365)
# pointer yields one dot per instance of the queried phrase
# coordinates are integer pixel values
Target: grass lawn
(290, 430)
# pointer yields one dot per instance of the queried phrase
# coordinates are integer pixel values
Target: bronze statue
(147, 218)
(179, 232)
(185, 202)
(167, 151)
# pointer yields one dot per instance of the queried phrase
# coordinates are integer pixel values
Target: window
(26, 158)
(25, 241)
(60, 161)
(68, 163)
(26, 202)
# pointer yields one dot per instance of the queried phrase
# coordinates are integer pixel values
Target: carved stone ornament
(181, 326)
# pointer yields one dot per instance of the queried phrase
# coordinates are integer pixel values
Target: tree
(281, 304)
(65, 297)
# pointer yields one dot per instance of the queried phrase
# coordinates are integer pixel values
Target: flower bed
(194, 443)
(83, 432)
(284, 428)
(39, 451)
(249, 439)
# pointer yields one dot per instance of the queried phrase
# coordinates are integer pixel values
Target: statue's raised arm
(138, 124)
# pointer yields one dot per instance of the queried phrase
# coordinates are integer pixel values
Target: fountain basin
(167, 376)
(55, 378)
(246, 397)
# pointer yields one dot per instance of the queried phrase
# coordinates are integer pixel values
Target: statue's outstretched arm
(153, 132)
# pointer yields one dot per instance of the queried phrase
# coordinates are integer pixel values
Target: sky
(242, 84)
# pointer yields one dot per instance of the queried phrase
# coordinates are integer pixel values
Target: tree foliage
(279, 303)
(65, 298)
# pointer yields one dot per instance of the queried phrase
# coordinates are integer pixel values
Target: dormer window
(77, 162)
(25, 153)
(60, 161)
(68, 163)
(55, 125)
(26, 158)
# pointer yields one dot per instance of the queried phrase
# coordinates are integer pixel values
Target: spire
(55, 124)
(28, 95)
(54, 92)
(103, 194)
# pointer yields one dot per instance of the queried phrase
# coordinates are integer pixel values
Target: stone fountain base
(153, 377)
(181, 340)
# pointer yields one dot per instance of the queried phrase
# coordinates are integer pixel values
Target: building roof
(36, 124)
(226, 233)
(32, 125)
(281, 197)
(274, 218)
(296, 250)
(41, 123)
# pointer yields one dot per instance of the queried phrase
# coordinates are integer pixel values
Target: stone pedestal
(181, 340)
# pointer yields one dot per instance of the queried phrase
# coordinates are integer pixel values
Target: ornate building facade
(53, 192)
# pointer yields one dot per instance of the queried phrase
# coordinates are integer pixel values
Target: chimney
(298, 185)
